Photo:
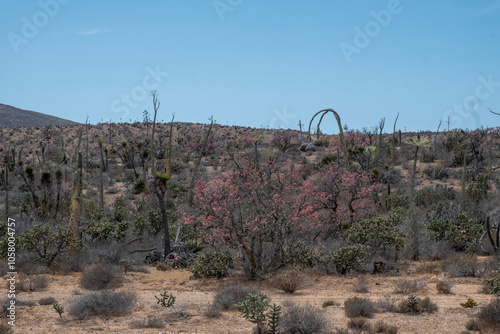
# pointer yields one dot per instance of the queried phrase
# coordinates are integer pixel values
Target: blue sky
(255, 63)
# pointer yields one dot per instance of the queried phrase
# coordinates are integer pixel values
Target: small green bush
(165, 300)
(214, 263)
(469, 303)
(347, 257)
(417, 305)
(493, 282)
(359, 307)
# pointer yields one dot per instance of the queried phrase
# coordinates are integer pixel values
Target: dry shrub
(407, 286)
(30, 283)
(444, 287)
(359, 324)
(388, 304)
(228, 297)
(359, 307)
(382, 327)
(433, 267)
(473, 325)
(302, 319)
(99, 277)
(361, 286)
(105, 303)
(5, 329)
(489, 315)
(330, 303)
(150, 321)
(288, 280)
(162, 266)
(463, 265)
(47, 301)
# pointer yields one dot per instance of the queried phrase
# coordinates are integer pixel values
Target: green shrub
(359, 307)
(47, 243)
(253, 308)
(347, 257)
(493, 282)
(59, 309)
(328, 159)
(107, 303)
(462, 233)
(380, 231)
(139, 186)
(165, 300)
(417, 305)
(469, 303)
(301, 254)
(214, 263)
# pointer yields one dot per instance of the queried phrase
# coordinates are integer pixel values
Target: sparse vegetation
(359, 307)
(107, 303)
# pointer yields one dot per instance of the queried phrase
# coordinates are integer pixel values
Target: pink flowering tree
(255, 208)
(343, 197)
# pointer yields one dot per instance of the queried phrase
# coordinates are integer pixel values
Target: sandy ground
(194, 296)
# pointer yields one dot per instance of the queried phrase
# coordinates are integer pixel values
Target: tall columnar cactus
(341, 132)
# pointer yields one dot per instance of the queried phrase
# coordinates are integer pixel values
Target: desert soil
(194, 296)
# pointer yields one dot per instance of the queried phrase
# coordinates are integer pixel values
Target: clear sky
(257, 63)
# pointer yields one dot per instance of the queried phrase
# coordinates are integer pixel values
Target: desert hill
(13, 117)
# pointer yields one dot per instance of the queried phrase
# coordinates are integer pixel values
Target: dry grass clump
(288, 280)
(444, 287)
(360, 286)
(47, 301)
(489, 315)
(382, 327)
(302, 319)
(406, 286)
(150, 321)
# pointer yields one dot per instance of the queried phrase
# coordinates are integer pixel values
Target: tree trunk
(413, 223)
